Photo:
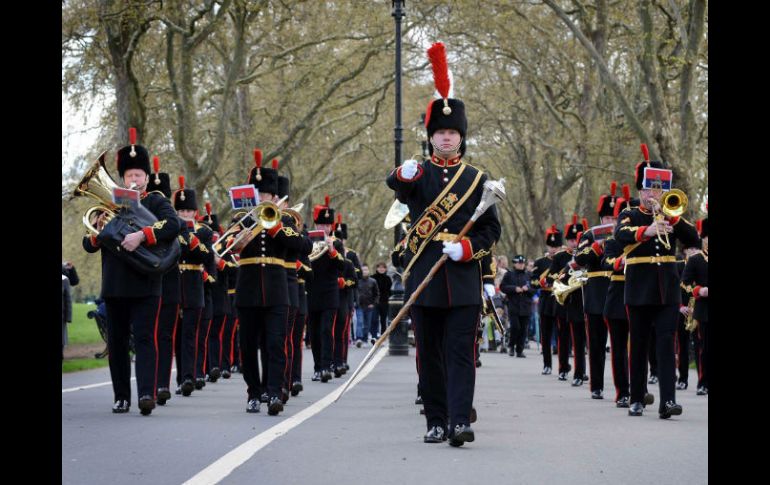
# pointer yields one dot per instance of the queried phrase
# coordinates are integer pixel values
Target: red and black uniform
(695, 277)
(324, 300)
(170, 300)
(132, 298)
(652, 298)
(304, 278)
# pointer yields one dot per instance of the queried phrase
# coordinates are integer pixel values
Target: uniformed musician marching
(547, 304)
(446, 313)
(132, 298)
(652, 294)
(695, 279)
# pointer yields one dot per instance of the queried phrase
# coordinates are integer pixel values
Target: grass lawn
(74, 365)
(83, 330)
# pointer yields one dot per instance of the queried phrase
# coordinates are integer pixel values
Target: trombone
(673, 204)
(265, 215)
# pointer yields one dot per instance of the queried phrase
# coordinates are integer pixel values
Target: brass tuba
(264, 216)
(319, 249)
(98, 185)
(576, 280)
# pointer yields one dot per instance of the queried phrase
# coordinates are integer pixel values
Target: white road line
(221, 468)
(98, 384)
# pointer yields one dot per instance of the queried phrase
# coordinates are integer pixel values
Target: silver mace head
(494, 192)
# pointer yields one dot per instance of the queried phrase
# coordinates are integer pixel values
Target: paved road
(532, 429)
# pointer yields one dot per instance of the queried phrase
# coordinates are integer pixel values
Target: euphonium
(319, 249)
(294, 212)
(576, 280)
(98, 185)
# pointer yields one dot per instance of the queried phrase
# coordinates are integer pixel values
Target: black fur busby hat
(647, 163)
(445, 112)
(133, 155)
(571, 230)
(553, 237)
(184, 199)
(159, 181)
(264, 179)
(323, 214)
(283, 186)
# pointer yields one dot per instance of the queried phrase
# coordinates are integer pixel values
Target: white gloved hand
(489, 290)
(454, 250)
(409, 169)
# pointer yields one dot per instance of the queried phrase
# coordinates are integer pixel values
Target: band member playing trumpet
(133, 299)
(652, 295)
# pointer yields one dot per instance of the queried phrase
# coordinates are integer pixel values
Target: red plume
(317, 210)
(584, 221)
(208, 208)
(339, 218)
(613, 188)
(156, 163)
(707, 206)
(553, 229)
(132, 136)
(437, 56)
(181, 181)
(626, 193)
(699, 225)
(275, 164)
(327, 201)
(258, 157)
(574, 218)
(579, 235)
(601, 203)
(645, 152)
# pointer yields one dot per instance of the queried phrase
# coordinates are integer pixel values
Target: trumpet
(265, 215)
(576, 280)
(673, 204)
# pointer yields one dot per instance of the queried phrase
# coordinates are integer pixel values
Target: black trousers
(597, 349)
(347, 334)
(652, 354)
(703, 363)
(272, 322)
(518, 328)
(578, 333)
(228, 335)
(618, 329)
(562, 344)
(288, 346)
(338, 334)
(546, 333)
(185, 336)
(169, 312)
(642, 319)
(140, 316)
(446, 349)
(321, 324)
(682, 349)
(215, 342)
(382, 313)
(296, 343)
(201, 349)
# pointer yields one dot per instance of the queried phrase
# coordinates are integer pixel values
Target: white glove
(409, 169)
(454, 250)
(489, 290)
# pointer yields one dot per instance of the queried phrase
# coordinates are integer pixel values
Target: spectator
(66, 311)
(515, 285)
(68, 270)
(384, 284)
(368, 298)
